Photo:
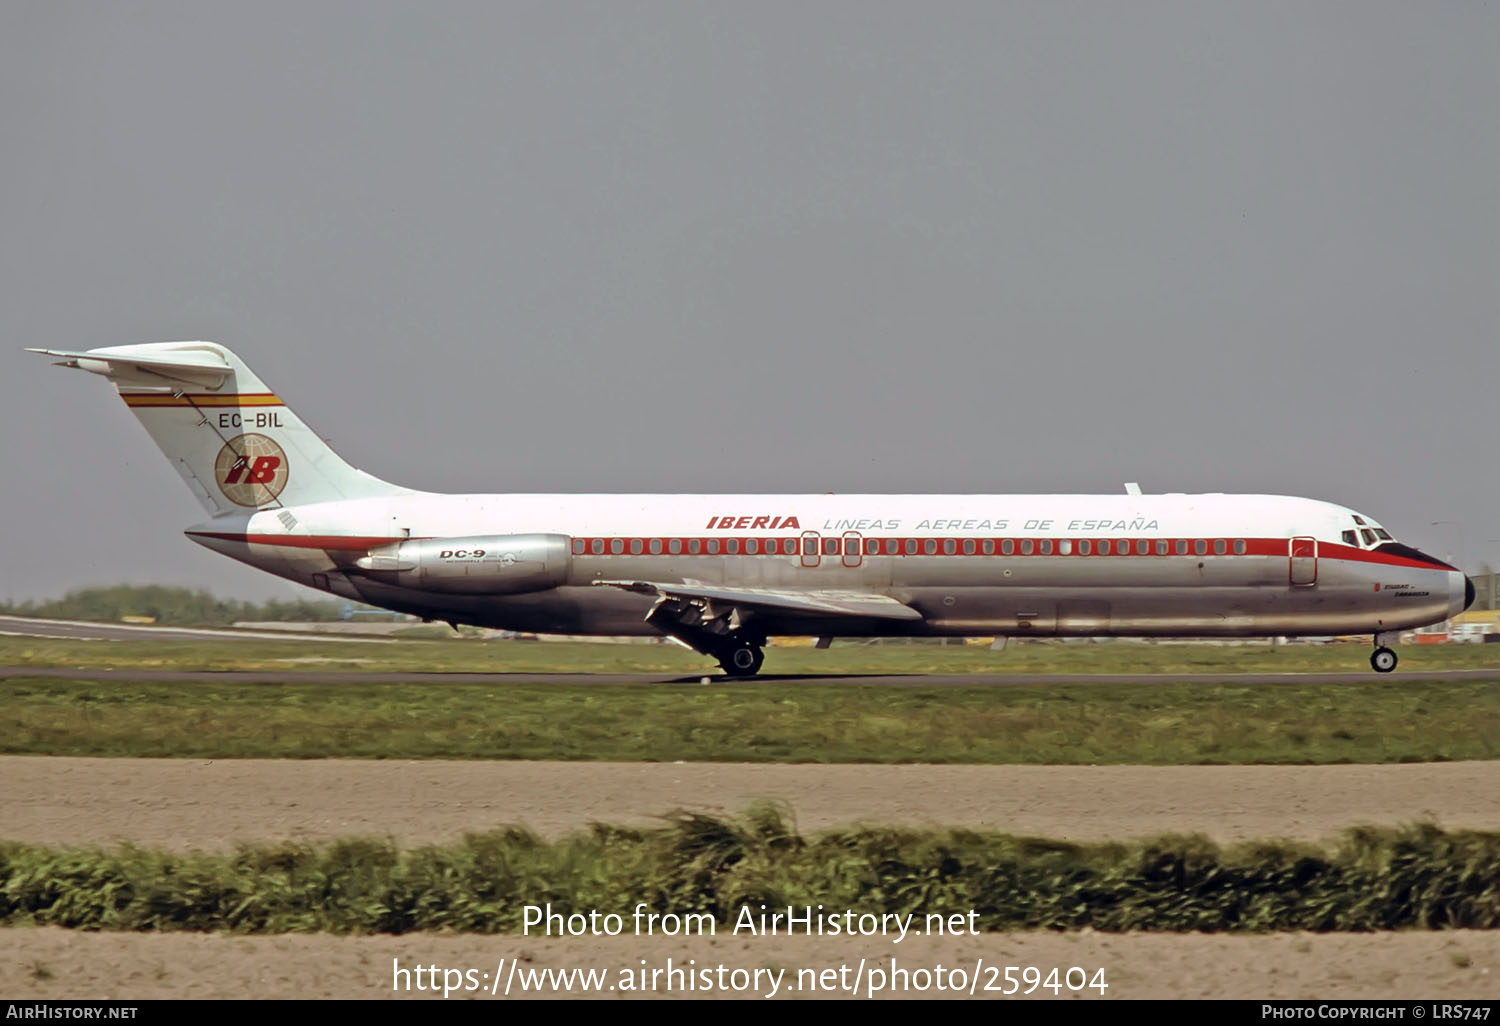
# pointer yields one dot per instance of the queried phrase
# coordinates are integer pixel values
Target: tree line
(183, 607)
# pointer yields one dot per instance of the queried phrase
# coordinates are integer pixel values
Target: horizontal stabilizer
(856, 604)
(150, 365)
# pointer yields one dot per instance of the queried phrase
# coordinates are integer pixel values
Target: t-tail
(238, 447)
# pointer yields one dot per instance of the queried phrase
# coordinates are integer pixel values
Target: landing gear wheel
(743, 661)
(1383, 660)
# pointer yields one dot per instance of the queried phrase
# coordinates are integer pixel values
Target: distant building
(1474, 626)
(1486, 591)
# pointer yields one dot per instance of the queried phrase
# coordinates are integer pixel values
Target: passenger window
(713, 546)
(1143, 548)
(830, 546)
(1026, 547)
(1219, 547)
(732, 546)
(872, 546)
(1084, 547)
(578, 546)
(616, 545)
(949, 547)
(968, 546)
(1161, 547)
(1064, 547)
(655, 546)
(1200, 548)
(752, 546)
(1046, 547)
(597, 545)
(911, 546)
(1007, 546)
(1239, 547)
(1181, 547)
(694, 546)
(675, 546)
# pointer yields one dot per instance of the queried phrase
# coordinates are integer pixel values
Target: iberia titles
(766, 522)
(753, 523)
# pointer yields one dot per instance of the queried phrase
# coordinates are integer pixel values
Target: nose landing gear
(1383, 660)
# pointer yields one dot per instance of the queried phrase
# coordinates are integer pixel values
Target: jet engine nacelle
(505, 564)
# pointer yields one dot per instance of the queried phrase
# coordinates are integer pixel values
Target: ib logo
(251, 470)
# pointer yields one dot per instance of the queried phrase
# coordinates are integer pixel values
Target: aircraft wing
(863, 605)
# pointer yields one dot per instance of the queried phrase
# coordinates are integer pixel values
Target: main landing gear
(742, 659)
(1383, 660)
(722, 633)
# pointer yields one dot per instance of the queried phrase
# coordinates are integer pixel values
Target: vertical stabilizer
(238, 447)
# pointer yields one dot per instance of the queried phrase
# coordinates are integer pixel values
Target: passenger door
(1303, 559)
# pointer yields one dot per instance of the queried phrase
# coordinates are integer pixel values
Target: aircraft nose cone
(1468, 592)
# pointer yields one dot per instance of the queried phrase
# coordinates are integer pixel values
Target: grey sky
(769, 247)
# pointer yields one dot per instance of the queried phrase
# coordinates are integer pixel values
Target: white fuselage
(1210, 565)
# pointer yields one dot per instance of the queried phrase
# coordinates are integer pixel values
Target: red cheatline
(302, 541)
(1276, 547)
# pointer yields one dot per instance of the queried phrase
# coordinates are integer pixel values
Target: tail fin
(236, 445)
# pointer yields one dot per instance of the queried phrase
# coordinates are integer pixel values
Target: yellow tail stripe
(157, 399)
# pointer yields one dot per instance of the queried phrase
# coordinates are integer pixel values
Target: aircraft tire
(743, 660)
(1383, 660)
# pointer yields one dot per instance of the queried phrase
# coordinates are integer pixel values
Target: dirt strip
(56, 963)
(184, 804)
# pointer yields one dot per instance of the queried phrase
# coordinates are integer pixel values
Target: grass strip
(845, 657)
(722, 870)
(1381, 721)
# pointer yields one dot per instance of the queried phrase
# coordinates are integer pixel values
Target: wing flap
(856, 604)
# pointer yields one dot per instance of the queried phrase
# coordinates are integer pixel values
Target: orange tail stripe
(243, 399)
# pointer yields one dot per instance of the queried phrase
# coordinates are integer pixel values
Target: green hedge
(1419, 877)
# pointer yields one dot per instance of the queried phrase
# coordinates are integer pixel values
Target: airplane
(722, 574)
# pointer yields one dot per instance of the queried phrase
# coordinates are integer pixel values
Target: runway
(973, 680)
(78, 630)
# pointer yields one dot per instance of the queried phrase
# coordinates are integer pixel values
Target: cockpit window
(1383, 534)
(1350, 538)
(1359, 520)
(1368, 535)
